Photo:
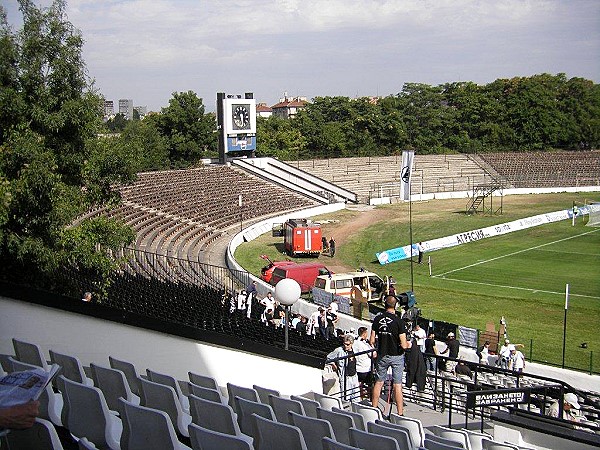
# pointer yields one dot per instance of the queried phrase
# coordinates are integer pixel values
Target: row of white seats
(204, 410)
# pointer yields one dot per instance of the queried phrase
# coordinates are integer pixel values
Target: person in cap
(570, 408)
(516, 360)
(452, 348)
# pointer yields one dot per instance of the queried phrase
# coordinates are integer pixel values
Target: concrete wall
(93, 340)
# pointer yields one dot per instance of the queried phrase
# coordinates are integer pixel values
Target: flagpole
(565, 324)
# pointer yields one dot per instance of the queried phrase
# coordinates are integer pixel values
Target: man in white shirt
(504, 355)
(420, 336)
(269, 303)
(517, 360)
(363, 362)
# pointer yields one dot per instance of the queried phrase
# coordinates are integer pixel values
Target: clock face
(240, 115)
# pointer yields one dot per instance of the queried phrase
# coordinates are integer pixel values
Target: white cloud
(317, 47)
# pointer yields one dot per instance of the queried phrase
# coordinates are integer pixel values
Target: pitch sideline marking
(513, 253)
(519, 288)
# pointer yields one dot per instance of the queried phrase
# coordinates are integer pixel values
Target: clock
(240, 115)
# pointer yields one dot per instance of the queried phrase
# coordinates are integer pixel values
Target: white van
(347, 284)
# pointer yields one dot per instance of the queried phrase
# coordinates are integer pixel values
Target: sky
(146, 50)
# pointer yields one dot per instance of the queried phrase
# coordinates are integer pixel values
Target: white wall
(93, 340)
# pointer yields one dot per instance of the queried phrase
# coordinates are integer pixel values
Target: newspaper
(20, 387)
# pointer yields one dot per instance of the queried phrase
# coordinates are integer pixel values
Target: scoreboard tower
(236, 123)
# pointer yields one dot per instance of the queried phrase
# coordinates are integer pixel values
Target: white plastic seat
(29, 353)
(281, 406)
(51, 403)
(168, 380)
(234, 391)
(439, 444)
(205, 439)
(203, 380)
(89, 416)
(401, 436)
(147, 429)
(246, 408)
(130, 374)
(370, 413)
(459, 436)
(394, 426)
(114, 385)
(359, 420)
(206, 393)
(215, 416)
(366, 440)
(332, 444)
(41, 436)
(72, 368)
(328, 402)
(310, 406)
(313, 430)
(263, 393)
(414, 427)
(158, 396)
(476, 437)
(340, 424)
(489, 444)
(272, 435)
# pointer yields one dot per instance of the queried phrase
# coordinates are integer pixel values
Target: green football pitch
(521, 276)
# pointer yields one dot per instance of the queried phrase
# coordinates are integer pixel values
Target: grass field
(521, 275)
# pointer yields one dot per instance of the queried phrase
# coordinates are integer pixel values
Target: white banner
(400, 253)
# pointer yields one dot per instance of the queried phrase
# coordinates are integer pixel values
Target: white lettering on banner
(404, 252)
(500, 398)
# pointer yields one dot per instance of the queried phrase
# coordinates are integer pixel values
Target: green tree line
(540, 112)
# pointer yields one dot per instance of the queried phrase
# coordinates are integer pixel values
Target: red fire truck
(302, 237)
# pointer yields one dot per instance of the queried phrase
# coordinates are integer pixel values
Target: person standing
(420, 335)
(324, 243)
(390, 332)
(430, 351)
(363, 361)
(420, 249)
(484, 353)
(346, 367)
(331, 247)
(332, 319)
(452, 348)
(504, 355)
(312, 325)
(516, 361)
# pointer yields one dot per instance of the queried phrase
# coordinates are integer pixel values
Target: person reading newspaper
(19, 393)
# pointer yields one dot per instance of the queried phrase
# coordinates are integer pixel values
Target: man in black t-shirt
(390, 332)
(452, 348)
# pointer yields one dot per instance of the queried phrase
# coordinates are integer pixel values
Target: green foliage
(52, 166)
(190, 133)
(524, 113)
(148, 146)
(116, 124)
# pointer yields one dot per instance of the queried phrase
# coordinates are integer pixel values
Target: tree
(53, 167)
(148, 146)
(190, 133)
